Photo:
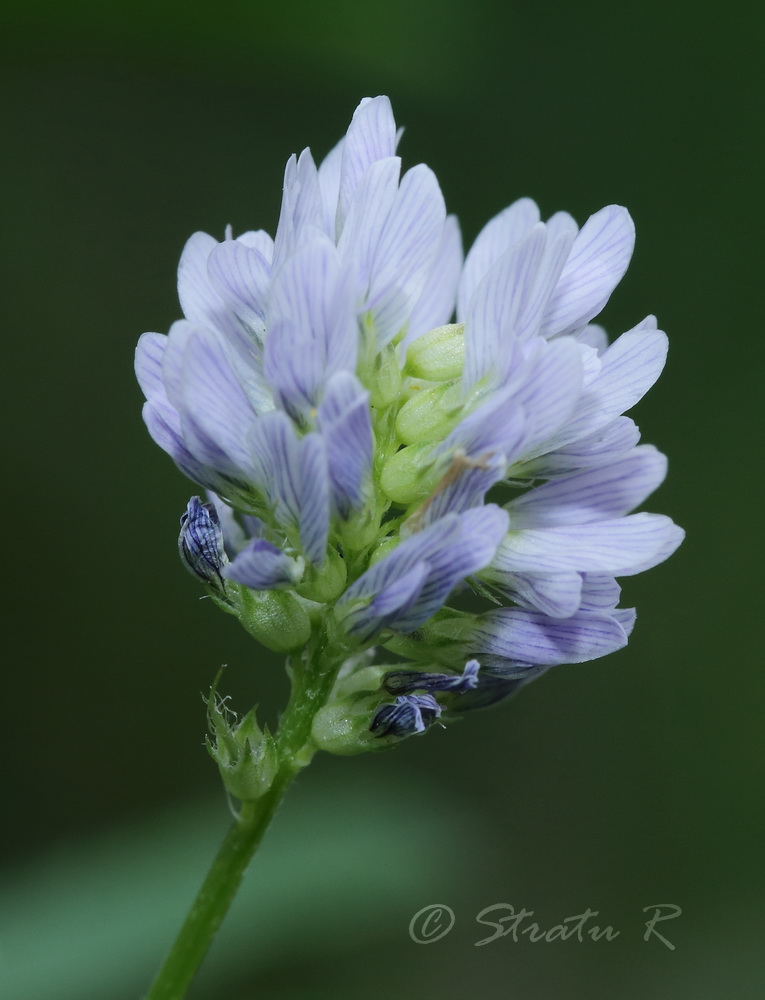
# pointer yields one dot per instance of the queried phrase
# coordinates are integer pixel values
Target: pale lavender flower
(348, 433)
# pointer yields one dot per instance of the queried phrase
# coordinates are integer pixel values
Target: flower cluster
(350, 392)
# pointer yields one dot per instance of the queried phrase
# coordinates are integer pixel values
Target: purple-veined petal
(371, 136)
(629, 367)
(263, 566)
(496, 310)
(620, 547)
(313, 498)
(200, 302)
(602, 446)
(599, 257)
(605, 492)
(405, 251)
(260, 240)
(464, 485)
(451, 549)
(240, 275)
(394, 598)
(368, 213)
(313, 331)
(555, 594)
(149, 352)
(549, 390)
(530, 637)
(345, 424)
(302, 212)
(480, 531)
(495, 239)
(410, 714)
(594, 336)
(435, 305)
(329, 186)
(276, 465)
(600, 592)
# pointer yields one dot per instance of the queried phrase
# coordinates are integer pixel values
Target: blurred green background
(613, 785)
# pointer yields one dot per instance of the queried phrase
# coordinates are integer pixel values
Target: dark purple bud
(406, 681)
(201, 543)
(409, 714)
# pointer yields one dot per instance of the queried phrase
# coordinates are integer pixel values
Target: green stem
(312, 682)
(215, 896)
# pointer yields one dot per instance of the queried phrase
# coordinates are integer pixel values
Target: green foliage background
(614, 785)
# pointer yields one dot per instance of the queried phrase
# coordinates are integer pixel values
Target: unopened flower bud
(439, 354)
(409, 715)
(410, 474)
(429, 414)
(200, 543)
(327, 583)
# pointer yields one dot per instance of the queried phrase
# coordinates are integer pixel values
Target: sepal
(246, 755)
(276, 618)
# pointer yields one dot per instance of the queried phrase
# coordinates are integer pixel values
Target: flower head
(351, 390)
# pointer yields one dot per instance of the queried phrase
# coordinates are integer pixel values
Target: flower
(348, 426)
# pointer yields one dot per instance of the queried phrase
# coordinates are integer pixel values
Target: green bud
(383, 379)
(361, 528)
(410, 474)
(437, 355)
(246, 756)
(342, 727)
(381, 551)
(429, 414)
(275, 618)
(325, 584)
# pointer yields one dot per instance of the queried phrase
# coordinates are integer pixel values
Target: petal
(371, 136)
(313, 498)
(276, 465)
(605, 445)
(594, 336)
(215, 412)
(605, 492)
(200, 302)
(313, 331)
(395, 598)
(496, 309)
(629, 367)
(494, 240)
(620, 547)
(600, 592)
(435, 305)
(302, 211)
(514, 634)
(149, 352)
(549, 391)
(464, 485)
(329, 186)
(555, 594)
(258, 239)
(405, 251)
(599, 257)
(241, 275)
(345, 424)
(262, 566)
